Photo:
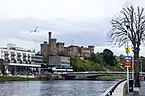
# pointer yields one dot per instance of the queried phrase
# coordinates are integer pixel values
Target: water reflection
(54, 88)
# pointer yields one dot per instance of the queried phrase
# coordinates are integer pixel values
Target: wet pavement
(142, 89)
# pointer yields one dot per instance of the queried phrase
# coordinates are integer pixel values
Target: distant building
(60, 64)
(59, 60)
(19, 59)
(55, 48)
(14, 54)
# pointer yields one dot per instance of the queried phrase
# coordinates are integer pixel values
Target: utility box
(131, 83)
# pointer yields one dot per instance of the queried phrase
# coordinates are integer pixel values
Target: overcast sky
(82, 22)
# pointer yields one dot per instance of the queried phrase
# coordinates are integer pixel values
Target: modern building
(59, 64)
(59, 60)
(58, 49)
(20, 60)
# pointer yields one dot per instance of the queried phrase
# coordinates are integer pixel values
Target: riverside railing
(111, 89)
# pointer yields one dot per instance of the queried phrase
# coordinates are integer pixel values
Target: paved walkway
(119, 90)
(142, 89)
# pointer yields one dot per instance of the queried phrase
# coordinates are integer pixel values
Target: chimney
(49, 37)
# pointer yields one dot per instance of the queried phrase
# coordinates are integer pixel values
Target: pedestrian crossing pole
(127, 67)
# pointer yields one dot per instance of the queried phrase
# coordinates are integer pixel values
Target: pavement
(142, 89)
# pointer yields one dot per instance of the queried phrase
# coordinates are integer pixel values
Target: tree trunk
(136, 62)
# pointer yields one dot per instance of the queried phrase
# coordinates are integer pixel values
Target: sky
(80, 22)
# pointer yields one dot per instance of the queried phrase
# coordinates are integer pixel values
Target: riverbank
(110, 77)
(16, 78)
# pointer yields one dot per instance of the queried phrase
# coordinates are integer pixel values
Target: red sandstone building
(58, 48)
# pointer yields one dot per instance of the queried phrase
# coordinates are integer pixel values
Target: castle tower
(52, 46)
(44, 48)
(49, 37)
(91, 49)
(60, 48)
(49, 41)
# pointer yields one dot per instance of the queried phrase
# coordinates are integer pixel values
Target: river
(54, 88)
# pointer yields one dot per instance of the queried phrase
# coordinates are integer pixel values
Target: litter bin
(131, 82)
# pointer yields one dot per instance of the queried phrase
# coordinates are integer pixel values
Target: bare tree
(129, 25)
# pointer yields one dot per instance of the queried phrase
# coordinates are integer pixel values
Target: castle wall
(44, 48)
(57, 48)
(60, 48)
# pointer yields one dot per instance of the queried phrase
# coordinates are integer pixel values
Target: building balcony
(7, 60)
(19, 55)
(19, 59)
(24, 59)
(29, 56)
(13, 60)
(6, 54)
(13, 54)
(24, 54)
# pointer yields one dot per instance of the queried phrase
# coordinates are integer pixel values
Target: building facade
(19, 59)
(59, 60)
(58, 49)
(60, 64)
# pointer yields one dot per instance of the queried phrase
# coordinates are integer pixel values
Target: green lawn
(111, 77)
(10, 78)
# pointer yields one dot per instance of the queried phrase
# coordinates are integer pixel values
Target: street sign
(127, 50)
(127, 64)
(127, 57)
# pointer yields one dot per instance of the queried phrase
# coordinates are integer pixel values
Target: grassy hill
(80, 64)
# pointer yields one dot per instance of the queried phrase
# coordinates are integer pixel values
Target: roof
(23, 50)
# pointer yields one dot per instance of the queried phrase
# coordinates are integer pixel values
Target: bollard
(136, 92)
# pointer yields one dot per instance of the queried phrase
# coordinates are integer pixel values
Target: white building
(60, 64)
(16, 56)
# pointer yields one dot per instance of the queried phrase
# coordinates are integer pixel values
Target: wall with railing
(112, 90)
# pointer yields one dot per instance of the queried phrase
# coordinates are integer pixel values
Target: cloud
(75, 21)
(82, 32)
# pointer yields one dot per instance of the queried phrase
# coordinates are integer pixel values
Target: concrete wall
(121, 89)
(59, 60)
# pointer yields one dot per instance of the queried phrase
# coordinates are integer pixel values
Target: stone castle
(58, 49)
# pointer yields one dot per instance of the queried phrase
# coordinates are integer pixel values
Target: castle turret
(52, 46)
(60, 48)
(49, 37)
(44, 48)
(91, 49)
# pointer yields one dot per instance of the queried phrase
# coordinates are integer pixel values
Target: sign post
(127, 65)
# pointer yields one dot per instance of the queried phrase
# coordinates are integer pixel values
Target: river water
(54, 88)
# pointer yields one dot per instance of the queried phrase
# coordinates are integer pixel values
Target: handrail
(111, 89)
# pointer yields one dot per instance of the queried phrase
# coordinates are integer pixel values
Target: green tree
(129, 25)
(109, 57)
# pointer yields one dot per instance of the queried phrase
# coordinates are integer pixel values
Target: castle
(58, 49)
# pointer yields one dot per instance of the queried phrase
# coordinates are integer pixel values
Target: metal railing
(110, 90)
